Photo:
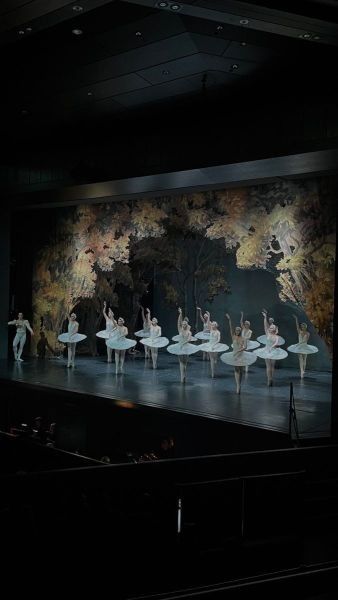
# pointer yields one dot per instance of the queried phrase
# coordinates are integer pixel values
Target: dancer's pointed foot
(20, 359)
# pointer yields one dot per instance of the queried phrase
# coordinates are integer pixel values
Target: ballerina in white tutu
(120, 344)
(183, 348)
(21, 325)
(213, 346)
(270, 352)
(262, 339)
(302, 348)
(72, 338)
(145, 332)
(246, 334)
(155, 340)
(205, 333)
(110, 329)
(238, 358)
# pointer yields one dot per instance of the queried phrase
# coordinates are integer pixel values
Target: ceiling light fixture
(77, 8)
(163, 4)
(234, 67)
(244, 21)
(316, 37)
(175, 7)
(219, 27)
(29, 29)
(305, 36)
(243, 44)
(165, 72)
(138, 33)
(21, 32)
(77, 31)
(89, 93)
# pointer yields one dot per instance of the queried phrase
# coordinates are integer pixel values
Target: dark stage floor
(257, 404)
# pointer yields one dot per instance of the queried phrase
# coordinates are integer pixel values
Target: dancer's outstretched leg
(154, 355)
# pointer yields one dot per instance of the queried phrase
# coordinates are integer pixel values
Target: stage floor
(257, 405)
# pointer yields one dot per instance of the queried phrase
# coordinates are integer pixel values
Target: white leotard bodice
(303, 337)
(246, 333)
(155, 331)
(72, 327)
(215, 336)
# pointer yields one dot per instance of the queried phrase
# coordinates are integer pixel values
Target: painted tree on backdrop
(287, 228)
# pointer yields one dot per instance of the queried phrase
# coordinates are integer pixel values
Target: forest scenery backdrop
(270, 245)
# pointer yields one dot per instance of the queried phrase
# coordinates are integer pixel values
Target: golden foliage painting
(287, 228)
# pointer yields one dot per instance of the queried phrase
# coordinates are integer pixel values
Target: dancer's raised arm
(179, 320)
(230, 324)
(265, 318)
(297, 323)
(148, 317)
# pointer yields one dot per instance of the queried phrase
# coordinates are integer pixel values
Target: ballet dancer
(120, 343)
(271, 321)
(270, 352)
(155, 340)
(246, 334)
(205, 333)
(238, 358)
(109, 331)
(21, 325)
(302, 348)
(71, 338)
(183, 348)
(213, 346)
(145, 332)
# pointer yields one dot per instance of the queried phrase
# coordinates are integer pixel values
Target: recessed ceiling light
(244, 21)
(305, 36)
(162, 4)
(234, 67)
(219, 27)
(316, 37)
(175, 7)
(29, 29)
(21, 32)
(165, 72)
(243, 44)
(89, 93)
(77, 31)
(138, 33)
(77, 8)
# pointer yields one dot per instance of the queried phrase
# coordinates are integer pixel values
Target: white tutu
(271, 353)
(238, 359)
(120, 343)
(71, 338)
(182, 349)
(143, 333)
(106, 334)
(302, 348)
(202, 335)
(262, 339)
(250, 345)
(177, 338)
(212, 347)
(155, 342)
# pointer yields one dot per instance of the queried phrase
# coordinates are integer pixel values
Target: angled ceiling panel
(152, 28)
(159, 92)
(194, 64)
(135, 60)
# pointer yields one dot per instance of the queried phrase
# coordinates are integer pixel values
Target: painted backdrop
(180, 246)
